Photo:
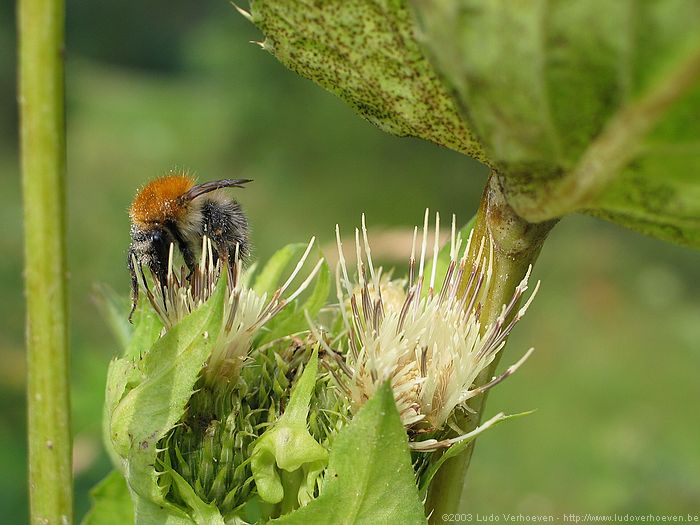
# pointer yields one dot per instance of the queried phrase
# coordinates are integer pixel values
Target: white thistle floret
(429, 344)
(245, 311)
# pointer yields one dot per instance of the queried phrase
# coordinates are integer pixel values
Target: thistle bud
(183, 414)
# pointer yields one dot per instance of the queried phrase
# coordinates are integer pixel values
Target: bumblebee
(175, 210)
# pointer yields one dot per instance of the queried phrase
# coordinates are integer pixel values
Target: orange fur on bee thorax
(158, 201)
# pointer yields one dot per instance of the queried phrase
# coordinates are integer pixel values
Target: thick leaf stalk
(41, 102)
(516, 245)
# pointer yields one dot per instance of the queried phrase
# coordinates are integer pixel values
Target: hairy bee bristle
(158, 200)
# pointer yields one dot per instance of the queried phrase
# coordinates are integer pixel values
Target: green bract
(287, 454)
(292, 319)
(369, 477)
(111, 502)
(156, 389)
(578, 106)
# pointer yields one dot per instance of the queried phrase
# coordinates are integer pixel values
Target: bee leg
(148, 248)
(187, 253)
(134, 283)
(159, 270)
(157, 262)
(188, 256)
(223, 253)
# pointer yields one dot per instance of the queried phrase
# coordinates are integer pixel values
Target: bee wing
(206, 187)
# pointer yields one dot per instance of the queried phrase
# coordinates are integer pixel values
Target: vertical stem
(41, 102)
(516, 244)
(291, 481)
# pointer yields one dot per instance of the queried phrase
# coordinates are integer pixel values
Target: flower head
(245, 310)
(220, 386)
(427, 340)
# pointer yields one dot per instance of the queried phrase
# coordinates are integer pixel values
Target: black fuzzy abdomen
(227, 226)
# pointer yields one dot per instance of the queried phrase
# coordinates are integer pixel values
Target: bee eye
(151, 234)
(157, 235)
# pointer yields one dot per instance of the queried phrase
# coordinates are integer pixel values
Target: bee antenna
(206, 187)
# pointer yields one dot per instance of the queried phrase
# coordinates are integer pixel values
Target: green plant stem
(516, 245)
(291, 481)
(41, 102)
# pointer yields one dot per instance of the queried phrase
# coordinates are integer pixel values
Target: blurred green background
(154, 85)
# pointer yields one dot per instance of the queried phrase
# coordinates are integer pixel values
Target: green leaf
(288, 446)
(581, 106)
(270, 277)
(123, 373)
(147, 512)
(147, 329)
(115, 310)
(369, 478)
(201, 512)
(364, 51)
(293, 319)
(166, 377)
(111, 502)
(135, 338)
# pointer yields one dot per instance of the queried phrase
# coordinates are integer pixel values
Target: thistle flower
(183, 415)
(209, 419)
(245, 311)
(427, 341)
